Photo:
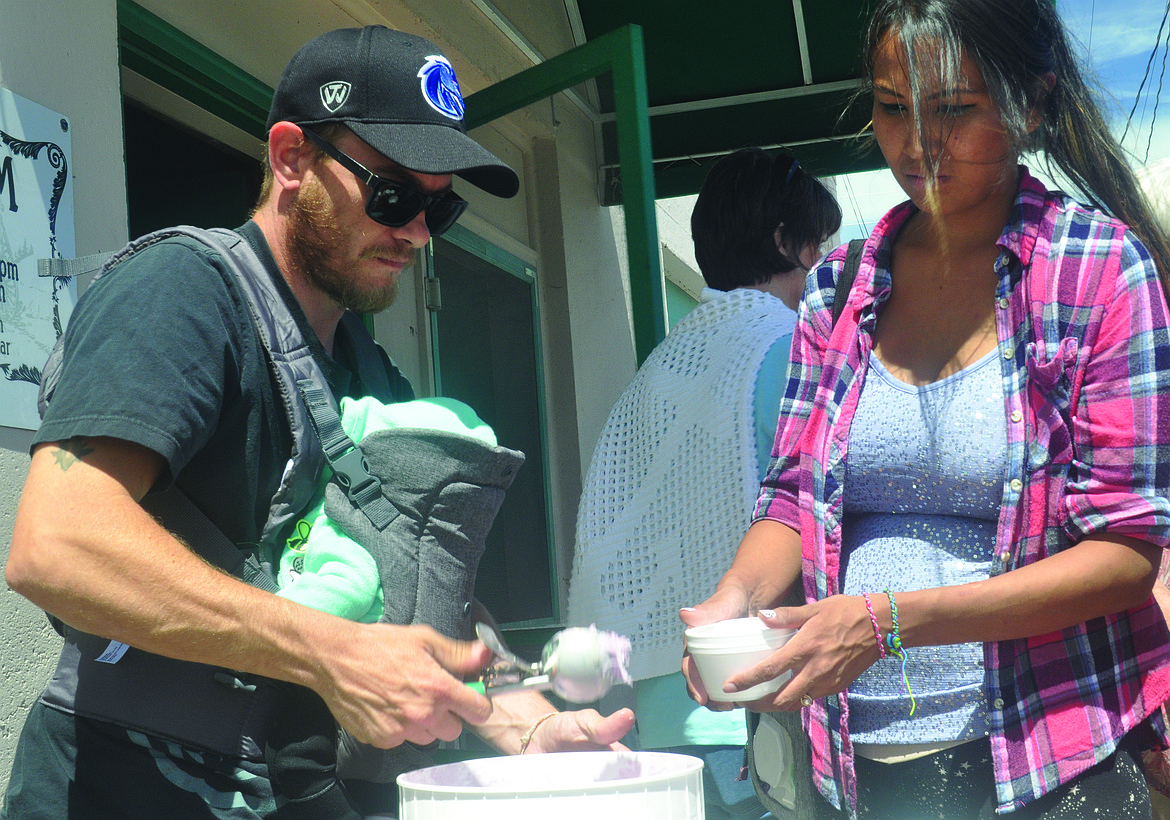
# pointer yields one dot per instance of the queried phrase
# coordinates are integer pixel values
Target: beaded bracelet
(894, 642)
(877, 630)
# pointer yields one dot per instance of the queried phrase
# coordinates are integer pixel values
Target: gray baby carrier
(421, 501)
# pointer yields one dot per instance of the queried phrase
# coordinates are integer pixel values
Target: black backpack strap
(350, 471)
(385, 385)
(183, 518)
(848, 274)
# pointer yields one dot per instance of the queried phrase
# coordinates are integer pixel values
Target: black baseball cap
(395, 91)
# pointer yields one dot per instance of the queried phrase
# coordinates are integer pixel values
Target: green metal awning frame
(158, 51)
(781, 75)
(622, 54)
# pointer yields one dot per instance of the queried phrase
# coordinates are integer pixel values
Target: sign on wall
(36, 221)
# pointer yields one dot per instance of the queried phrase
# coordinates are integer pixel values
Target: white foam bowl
(561, 786)
(724, 648)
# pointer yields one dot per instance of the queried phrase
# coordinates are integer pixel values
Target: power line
(1157, 45)
(852, 195)
(1157, 97)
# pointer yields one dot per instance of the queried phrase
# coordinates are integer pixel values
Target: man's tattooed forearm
(72, 451)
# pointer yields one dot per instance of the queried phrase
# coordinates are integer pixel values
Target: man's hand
(390, 684)
(581, 731)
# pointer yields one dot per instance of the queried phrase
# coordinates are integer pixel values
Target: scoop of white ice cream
(583, 663)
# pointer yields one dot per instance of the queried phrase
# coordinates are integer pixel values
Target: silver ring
(806, 700)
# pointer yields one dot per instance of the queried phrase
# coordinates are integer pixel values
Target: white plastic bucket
(560, 786)
(723, 648)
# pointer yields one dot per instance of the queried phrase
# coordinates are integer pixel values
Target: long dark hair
(1016, 43)
(746, 197)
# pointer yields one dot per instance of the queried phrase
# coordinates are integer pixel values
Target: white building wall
(62, 54)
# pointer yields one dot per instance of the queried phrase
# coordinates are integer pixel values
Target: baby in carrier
(441, 468)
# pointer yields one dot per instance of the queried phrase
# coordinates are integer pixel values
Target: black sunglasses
(394, 203)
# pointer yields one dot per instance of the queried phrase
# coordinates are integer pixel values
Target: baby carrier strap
(296, 370)
(181, 517)
(350, 470)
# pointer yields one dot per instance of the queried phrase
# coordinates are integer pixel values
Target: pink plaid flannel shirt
(1083, 334)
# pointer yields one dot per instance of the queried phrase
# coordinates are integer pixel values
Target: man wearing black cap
(165, 382)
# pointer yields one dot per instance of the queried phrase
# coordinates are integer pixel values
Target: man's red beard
(315, 240)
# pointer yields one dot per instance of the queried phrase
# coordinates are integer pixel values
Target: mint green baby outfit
(323, 568)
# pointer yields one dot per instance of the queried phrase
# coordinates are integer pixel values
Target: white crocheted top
(670, 488)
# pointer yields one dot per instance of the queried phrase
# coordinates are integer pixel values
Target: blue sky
(1117, 46)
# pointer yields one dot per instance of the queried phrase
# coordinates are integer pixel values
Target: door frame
(486, 251)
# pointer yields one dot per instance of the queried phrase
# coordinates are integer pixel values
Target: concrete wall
(63, 55)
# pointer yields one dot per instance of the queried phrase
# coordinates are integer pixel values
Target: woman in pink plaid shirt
(972, 465)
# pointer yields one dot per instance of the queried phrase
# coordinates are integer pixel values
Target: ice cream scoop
(580, 664)
(492, 640)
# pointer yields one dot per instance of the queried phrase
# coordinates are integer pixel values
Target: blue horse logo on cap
(440, 88)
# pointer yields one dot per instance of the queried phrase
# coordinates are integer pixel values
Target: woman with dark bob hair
(971, 471)
(679, 461)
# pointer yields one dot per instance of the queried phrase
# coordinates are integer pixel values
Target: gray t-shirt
(162, 351)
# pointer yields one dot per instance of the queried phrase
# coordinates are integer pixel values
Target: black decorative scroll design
(56, 159)
(22, 373)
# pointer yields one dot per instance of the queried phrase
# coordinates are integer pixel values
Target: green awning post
(631, 109)
(622, 53)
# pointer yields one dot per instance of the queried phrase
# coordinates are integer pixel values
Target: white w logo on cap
(334, 95)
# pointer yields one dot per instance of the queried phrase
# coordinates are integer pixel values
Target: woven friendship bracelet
(877, 630)
(894, 637)
(894, 642)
